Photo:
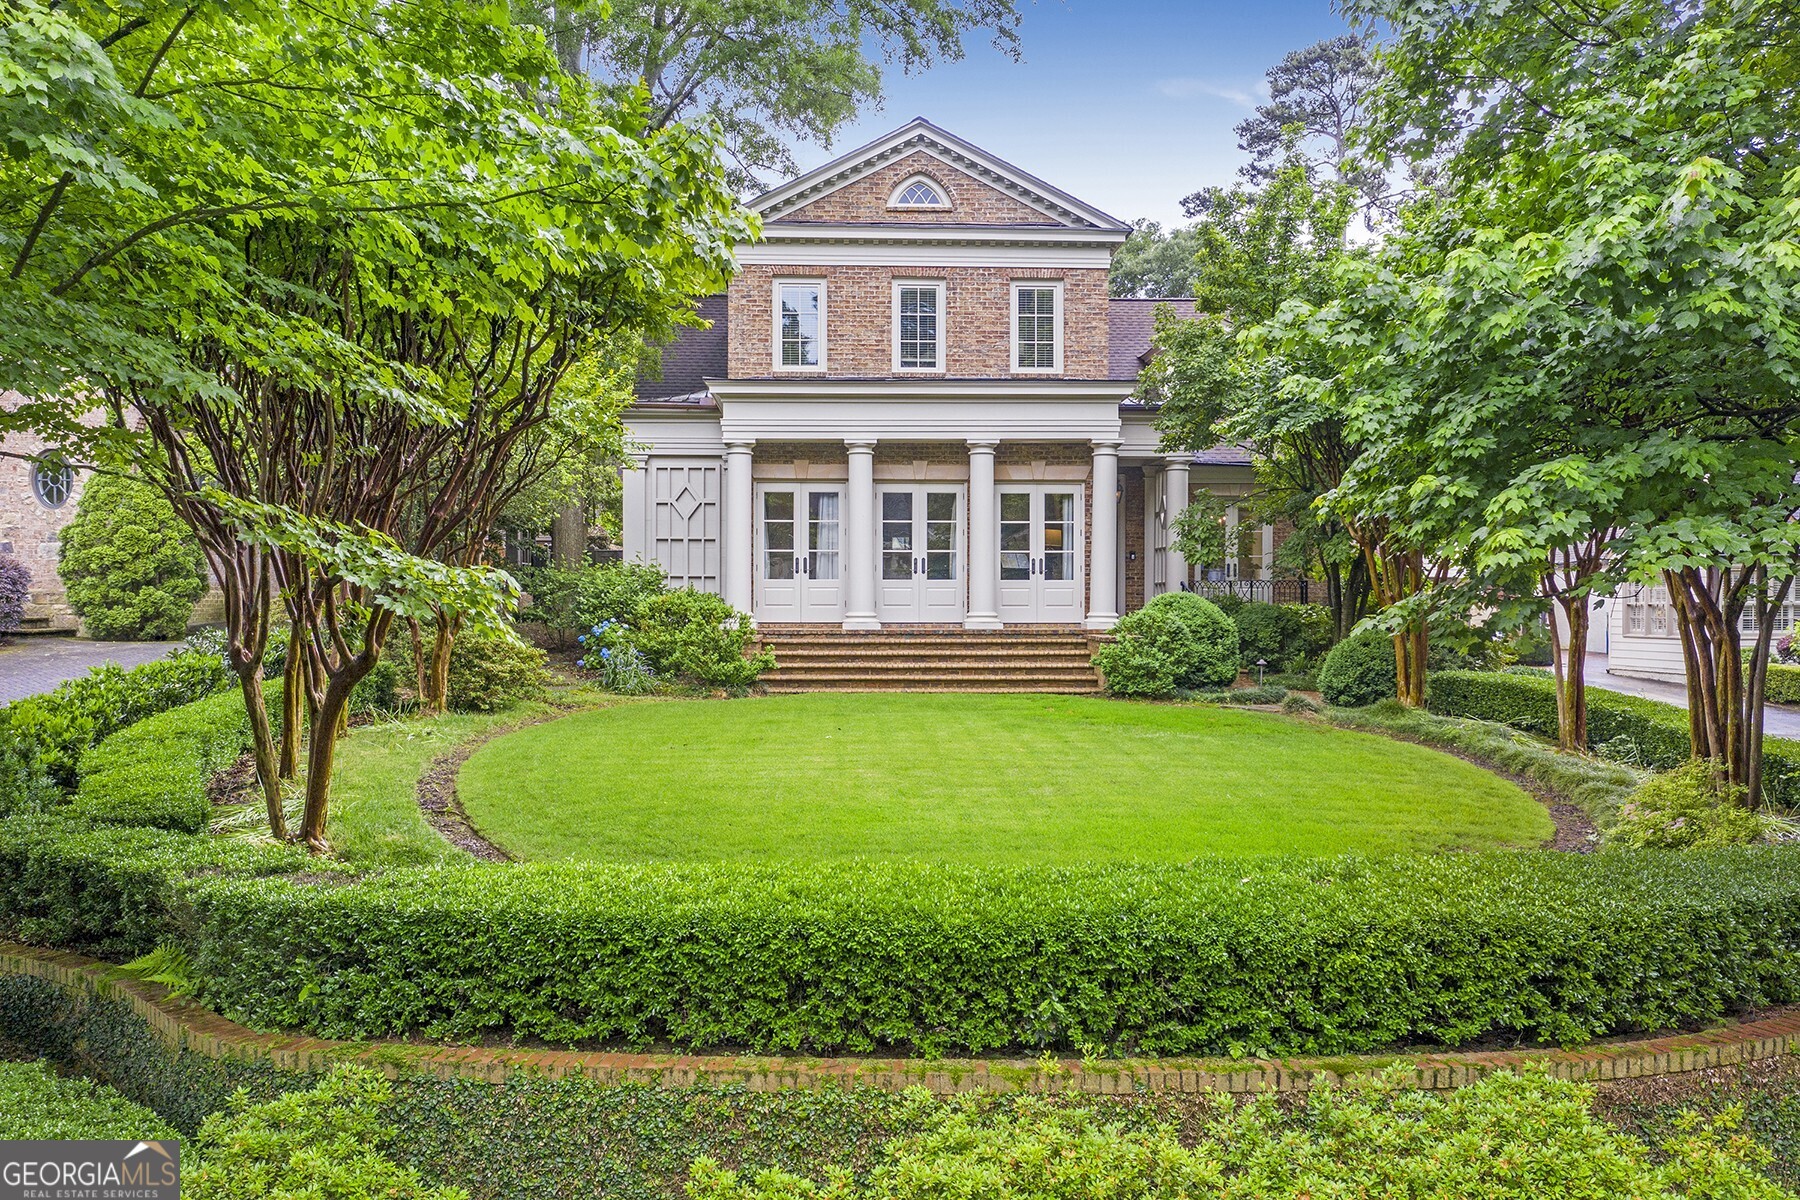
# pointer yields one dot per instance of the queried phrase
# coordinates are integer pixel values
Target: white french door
(919, 567)
(799, 552)
(1040, 553)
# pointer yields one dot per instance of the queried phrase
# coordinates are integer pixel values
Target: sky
(1127, 104)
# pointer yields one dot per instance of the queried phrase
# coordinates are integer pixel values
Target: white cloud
(1187, 88)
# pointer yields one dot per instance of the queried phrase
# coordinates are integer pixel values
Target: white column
(1154, 562)
(1103, 539)
(740, 504)
(1232, 563)
(1267, 568)
(984, 532)
(1175, 481)
(634, 515)
(859, 539)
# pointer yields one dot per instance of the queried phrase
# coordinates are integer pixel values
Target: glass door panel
(1015, 535)
(778, 535)
(897, 535)
(1059, 535)
(822, 535)
(940, 535)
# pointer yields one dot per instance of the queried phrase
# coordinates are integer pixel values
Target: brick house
(914, 406)
(38, 495)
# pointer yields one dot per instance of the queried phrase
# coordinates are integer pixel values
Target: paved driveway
(30, 665)
(1778, 720)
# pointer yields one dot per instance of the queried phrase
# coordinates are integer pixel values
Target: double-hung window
(1037, 327)
(800, 325)
(918, 326)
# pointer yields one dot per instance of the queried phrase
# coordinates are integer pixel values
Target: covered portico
(984, 504)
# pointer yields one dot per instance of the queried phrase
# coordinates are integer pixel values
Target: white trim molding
(779, 285)
(920, 135)
(941, 345)
(1055, 287)
(920, 409)
(897, 198)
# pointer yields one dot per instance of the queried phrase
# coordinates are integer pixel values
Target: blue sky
(1128, 104)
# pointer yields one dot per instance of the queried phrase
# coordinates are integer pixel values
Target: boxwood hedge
(1275, 956)
(1783, 684)
(1657, 733)
(155, 773)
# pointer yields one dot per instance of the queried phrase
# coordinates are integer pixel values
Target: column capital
(983, 445)
(1181, 458)
(740, 445)
(638, 459)
(1106, 445)
(856, 445)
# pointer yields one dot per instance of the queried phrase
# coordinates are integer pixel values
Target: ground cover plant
(1508, 1137)
(38, 1104)
(979, 778)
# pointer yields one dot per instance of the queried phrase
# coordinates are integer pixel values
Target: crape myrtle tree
(334, 261)
(1595, 359)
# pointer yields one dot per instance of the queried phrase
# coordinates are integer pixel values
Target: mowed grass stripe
(973, 778)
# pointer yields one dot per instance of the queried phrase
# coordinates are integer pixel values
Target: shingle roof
(694, 355)
(1130, 322)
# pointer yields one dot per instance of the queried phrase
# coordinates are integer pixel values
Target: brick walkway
(30, 665)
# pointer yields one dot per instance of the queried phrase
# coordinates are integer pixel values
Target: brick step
(1061, 646)
(1033, 686)
(852, 671)
(945, 654)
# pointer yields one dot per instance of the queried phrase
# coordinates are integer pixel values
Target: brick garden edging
(183, 1024)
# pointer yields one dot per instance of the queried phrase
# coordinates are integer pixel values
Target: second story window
(918, 326)
(800, 325)
(1037, 327)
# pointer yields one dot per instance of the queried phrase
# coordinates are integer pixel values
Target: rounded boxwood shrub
(1359, 670)
(132, 569)
(1269, 632)
(1177, 641)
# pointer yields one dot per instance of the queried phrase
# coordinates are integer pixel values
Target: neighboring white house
(1635, 629)
(915, 406)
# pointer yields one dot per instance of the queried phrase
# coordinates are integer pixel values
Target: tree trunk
(321, 755)
(568, 537)
(437, 698)
(262, 745)
(293, 697)
(1569, 664)
(421, 664)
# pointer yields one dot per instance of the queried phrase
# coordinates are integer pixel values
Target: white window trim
(1012, 348)
(943, 348)
(775, 323)
(920, 177)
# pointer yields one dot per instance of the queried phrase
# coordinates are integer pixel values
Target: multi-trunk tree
(335, 261)
(1595, 367)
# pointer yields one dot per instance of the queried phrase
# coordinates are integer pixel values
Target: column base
(861, 623)
(983, 621)
(1101, 620)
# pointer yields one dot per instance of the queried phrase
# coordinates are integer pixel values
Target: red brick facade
(859, 321)
(972, 202)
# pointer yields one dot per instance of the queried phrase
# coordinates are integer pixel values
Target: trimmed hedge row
(49, 734)
(1657, 732)
(156, 772)
(1783, 685)
(1275, 956)
(1316, 957)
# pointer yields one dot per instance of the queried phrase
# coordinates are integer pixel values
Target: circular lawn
(972, 778)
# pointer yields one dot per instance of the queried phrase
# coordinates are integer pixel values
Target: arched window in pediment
(920, 191)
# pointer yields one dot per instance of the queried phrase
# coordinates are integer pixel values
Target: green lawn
(973, 778)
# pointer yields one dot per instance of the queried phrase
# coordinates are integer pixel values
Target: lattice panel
(685, 518)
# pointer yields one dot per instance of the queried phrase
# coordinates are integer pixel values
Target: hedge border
(184, 1025)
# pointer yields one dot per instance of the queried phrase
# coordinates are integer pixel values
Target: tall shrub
(1178, 640)
(15, 590)
(131, 566)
